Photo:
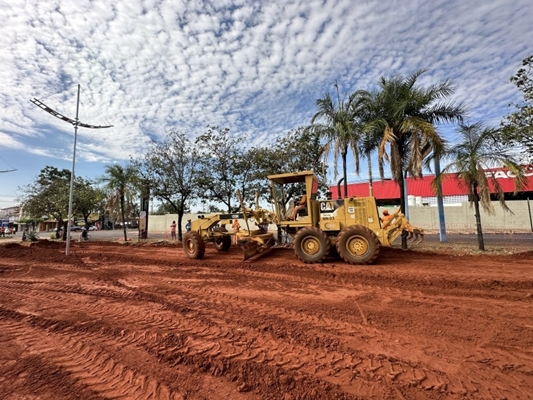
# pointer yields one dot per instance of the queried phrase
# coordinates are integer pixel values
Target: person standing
(235, 227)
(173, 230)
(188, 225)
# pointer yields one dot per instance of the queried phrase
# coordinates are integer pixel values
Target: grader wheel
(358, 245)
(223, 243)
(193, 245)
(311, 245)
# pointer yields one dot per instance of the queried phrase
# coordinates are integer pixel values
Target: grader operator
(351, 225)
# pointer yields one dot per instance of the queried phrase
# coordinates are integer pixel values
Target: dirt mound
(49, 244)
(10, 245)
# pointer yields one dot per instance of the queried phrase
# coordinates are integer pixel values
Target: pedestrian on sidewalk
(173, 230)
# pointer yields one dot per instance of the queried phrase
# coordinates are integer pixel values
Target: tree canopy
(335, 122)
(48, 195)
(171, 170)
(517, 127)
(224, 167)
(87, 198)
(298, 150)
(120, 183)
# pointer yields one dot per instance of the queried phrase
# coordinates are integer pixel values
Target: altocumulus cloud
(256, 67)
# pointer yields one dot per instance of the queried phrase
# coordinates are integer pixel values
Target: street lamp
(76, 123)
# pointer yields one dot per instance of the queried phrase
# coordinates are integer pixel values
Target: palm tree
(472, 157)
(120, 182)
(365, 110)
(338, 128)
(407, 116)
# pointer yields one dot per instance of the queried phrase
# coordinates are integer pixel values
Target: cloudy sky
(256, 67)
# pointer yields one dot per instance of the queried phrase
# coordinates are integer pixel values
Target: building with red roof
(453, 189)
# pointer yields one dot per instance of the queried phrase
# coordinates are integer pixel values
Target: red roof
(451, 185)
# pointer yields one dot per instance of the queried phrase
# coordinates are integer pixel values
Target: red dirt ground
(140, 321)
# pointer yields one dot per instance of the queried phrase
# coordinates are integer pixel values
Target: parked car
(76, 228)
(92, 228)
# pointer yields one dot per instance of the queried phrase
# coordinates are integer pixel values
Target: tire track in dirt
(339, 367)
(220, 327)
(87, 364)
(91, 367)
(392, 361)
(235, 344)
(437, 382)
(199, 340)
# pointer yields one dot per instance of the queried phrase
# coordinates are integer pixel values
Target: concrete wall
(461, 218)
(161, 223)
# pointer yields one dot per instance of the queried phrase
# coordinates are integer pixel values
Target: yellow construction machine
(255, 242)
(208, 230)
(351, 225)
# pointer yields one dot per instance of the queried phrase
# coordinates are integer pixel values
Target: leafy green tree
(172, 170)
(471, 159)
(87, 199)
(48, 196)
(224, 168)
(166, 208)
(337, 127)
(120, 184)
(299, 150)
(517, 127)
(407, 117)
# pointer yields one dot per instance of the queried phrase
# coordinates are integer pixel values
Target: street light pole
(76, 122)
(70, 196)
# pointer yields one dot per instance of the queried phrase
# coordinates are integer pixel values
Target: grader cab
(351, 225)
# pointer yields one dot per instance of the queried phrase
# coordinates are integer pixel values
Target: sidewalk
(13, 238)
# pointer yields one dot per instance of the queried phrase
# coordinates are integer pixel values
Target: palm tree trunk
(370, 183)
(345, 173)
(122, 214)
(402, 207)
(480, 241)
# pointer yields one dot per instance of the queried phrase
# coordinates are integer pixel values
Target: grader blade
(250, 249)
(255, 249)
(260, 253)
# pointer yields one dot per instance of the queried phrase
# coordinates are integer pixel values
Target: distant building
(9, 212)
(421, 192)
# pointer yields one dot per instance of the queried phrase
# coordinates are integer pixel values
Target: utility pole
(440, 205)
(76, 122)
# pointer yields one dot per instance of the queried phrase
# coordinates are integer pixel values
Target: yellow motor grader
(351, 225)
(255, 242)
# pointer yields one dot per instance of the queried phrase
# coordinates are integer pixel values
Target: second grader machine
(351, 225)
(213, 230)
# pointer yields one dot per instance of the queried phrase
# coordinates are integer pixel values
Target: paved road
(489, 238)
(502, 239)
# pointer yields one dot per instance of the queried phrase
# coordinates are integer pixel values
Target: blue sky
(256, 67)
